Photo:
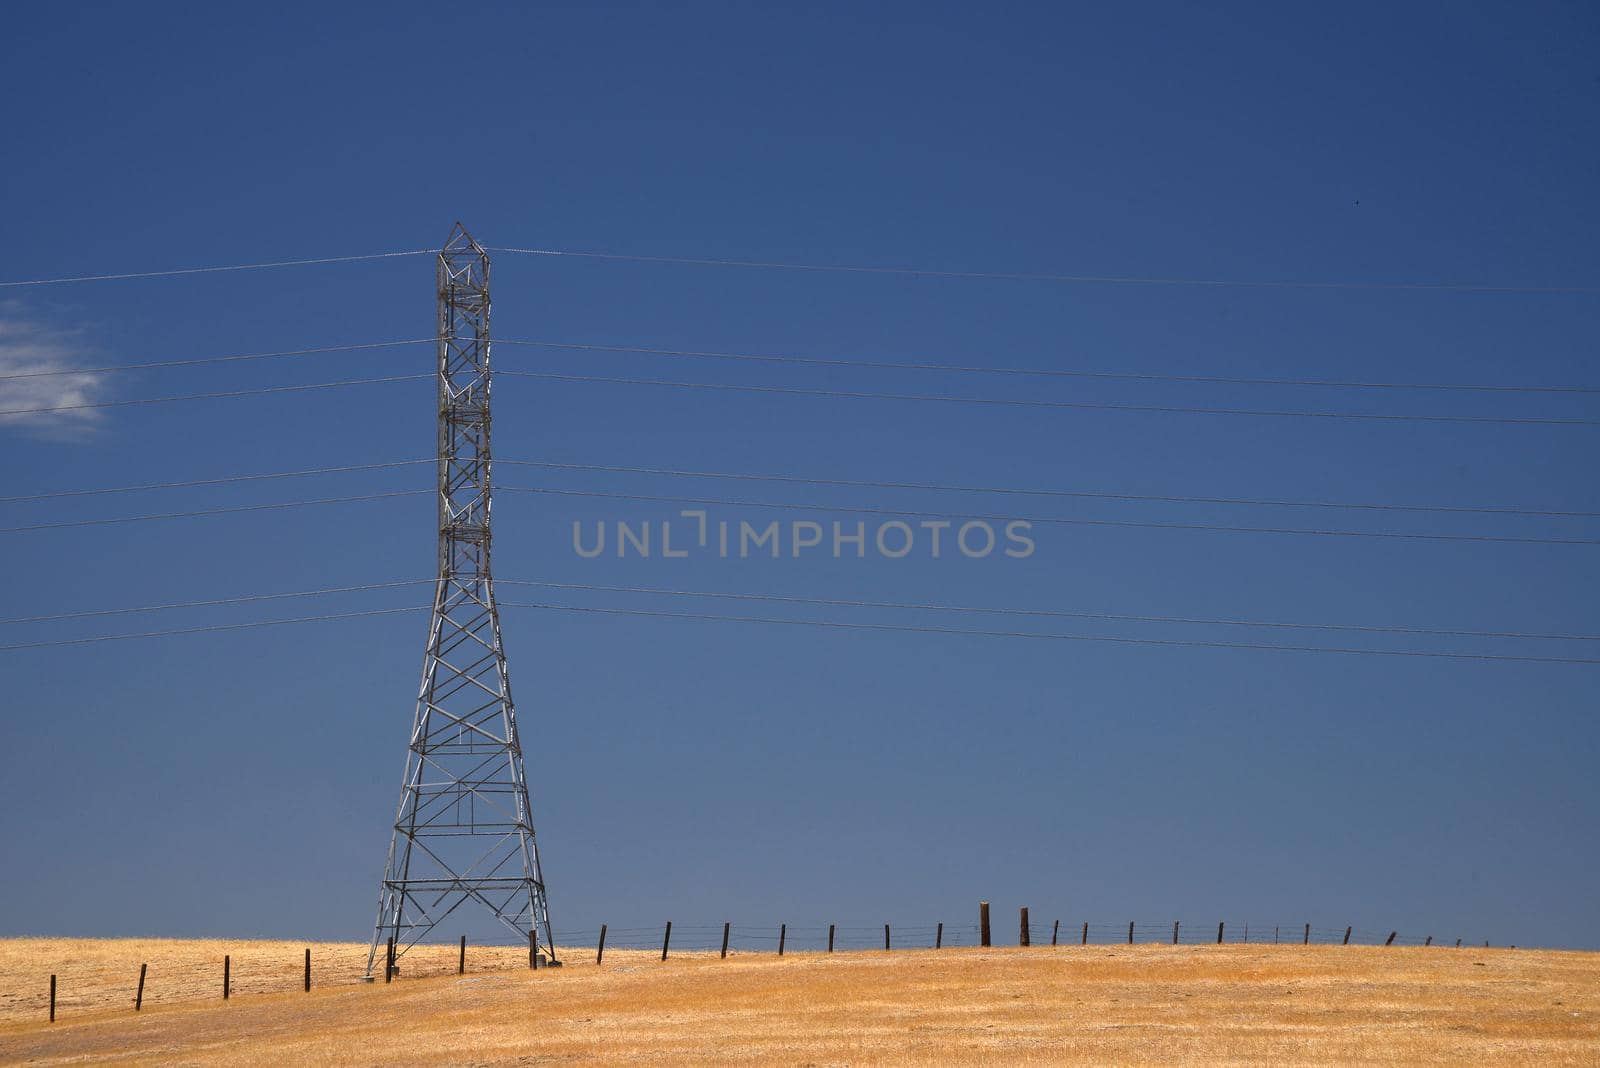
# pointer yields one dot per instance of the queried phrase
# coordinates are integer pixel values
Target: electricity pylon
(464, 828)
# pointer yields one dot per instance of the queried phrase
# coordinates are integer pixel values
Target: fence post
(830, 938)
(983, 923)
(138, 997)
(1458, 946)
(1347, 936)
(1085, 932)
(1428, 941)
(886, 937)
(1023, 934)
(52, 999)
(308, 967)
(726, 927)
(1390, 940)
(1130, 932)
(1054, 931)
(783, 934)
(600, 950)
(1274, 936)
(461, 961)
(1219, 932)
(1247, 934)
(666, 940)
(938, 937)
(1307, 940)
(533, 950)
(227, 967)
(1174, 932)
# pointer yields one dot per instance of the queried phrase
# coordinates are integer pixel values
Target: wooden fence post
(138, 997)
(666, 940)
(938, 937)
(1174, 932)
(1085, 932)
(461, 961)
(308, 967)
(1023, 934)
(52, 999)
(983, 923)
(886, 937)
(830, 938)
(1390, 940)
(1054, 931)
(600, 950)
(1219, 932)
(388, 962)
(1458, 946)
(227, 967)
(1274, 936)
(783, 934)
(726, 927)
(1428, 941)
(1347, 936)
(1247, 934)
(533, 950)
(1130, 932)
(1307, 941)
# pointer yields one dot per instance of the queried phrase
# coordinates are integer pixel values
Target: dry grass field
(1233, 1004)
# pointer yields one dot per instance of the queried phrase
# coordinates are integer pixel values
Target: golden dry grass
(1236, 1004)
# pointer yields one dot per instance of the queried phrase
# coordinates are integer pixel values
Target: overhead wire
(1035, 276)
(827, 624)
(1096, 495)
(830, 602)
(1164, 409)
(216, 396)
(202, 360)
(125, 275)
(1052, 520)
(1103, 638)
(813, 481)
(924, 606)
(1038, 371)
(214, 602)
(208, 629)
(218, 481)
(204, 512)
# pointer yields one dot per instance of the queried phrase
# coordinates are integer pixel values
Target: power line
(217, 396)
(786, 505)
(833, 602)
(234, 510)
(214, 270)
(1055, 520)
(1041, 372)
(1069, 405)
(801, 480)
(830, 624)
(213, 602)
(945, 487)
(1029, 276)
(220, 481)
(212, 628)
(231, 358)
(830, 602)
(1168, 642)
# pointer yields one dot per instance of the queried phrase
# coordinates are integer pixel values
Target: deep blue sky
(240, 783)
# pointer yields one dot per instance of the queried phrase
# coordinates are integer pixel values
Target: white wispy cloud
(37, 372)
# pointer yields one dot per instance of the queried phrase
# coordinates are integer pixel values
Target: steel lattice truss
(464, 827)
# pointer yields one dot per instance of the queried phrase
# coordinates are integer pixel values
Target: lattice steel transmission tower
(463, 831)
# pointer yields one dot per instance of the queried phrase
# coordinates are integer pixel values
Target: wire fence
(93, 976)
